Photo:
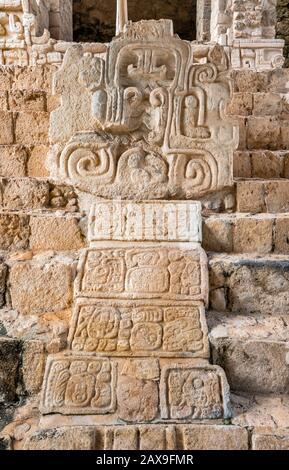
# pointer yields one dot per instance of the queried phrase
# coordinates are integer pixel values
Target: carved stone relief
(151, 123)
(151, 272)
(248, 28)
(139, 314)
(124, 328)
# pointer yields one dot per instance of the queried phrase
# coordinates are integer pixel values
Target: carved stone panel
(134, 390)
(79, 385)
(138, 329)
(189, 392)
(153, 125)
(146, 221)
(143, 273)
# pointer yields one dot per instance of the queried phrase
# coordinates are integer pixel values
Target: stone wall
(283, 25)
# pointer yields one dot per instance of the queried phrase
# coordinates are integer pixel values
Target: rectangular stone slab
(146, 221)
(125, 328)
(178, 272)
(134, 390)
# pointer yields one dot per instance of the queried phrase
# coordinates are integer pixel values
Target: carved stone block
(79, 385)
(151, 120)
(146, 221)
(141, 329)
(188, 392)
(139, 390)
(143, 273)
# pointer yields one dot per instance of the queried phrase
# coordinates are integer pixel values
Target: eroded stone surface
(146, 131)
(172, 274)
(87, 385)
(124, 328)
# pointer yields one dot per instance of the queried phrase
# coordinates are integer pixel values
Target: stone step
(142, 437)
(258, 195)
(264, 164)
(247, 284)
(254, 343)
(267, 418)
(245, 233)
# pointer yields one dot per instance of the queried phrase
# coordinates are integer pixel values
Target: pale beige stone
(270, 442)
(7, 128)
(67, 438)
(162, 329)
(218, 235)
(281, 238)
(14, 231)
(31, 128)
(241, 104)
(251, 196)
(138, 273)
(141, 170)
(55, 233)
(149, 221)
(215, 438)
(27, 100)
(253, 235)
(36, 166)
(263, 133)
(25, 194)
(36, 289)
(13, 161)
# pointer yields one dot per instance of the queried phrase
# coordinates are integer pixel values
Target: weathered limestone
(248, 28)
(157, 314)
(153, 437)
(123, 140)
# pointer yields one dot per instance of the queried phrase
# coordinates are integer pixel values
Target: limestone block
(9, 363)
(267, 104)
(266, 361)
(25, 194)
(263, 133)
(7, 128)
(152, 437)
(124, 328)
(33, 78)
(135, 146)
(281, 238)
(14, 231)
(27, 100)
(32, 128)
(215, 438)
(251, 196)
(277, 196)
(148, 221)
(242, 165)
(256, 82)
(270, 441)
(36, 166)
(241, 104)
(130, 389)
(4, 101)
(37, 288)
(267, 165)
(66, 438)
(55, 233)
(257, 285)
(32, 366)
(253, 235)
(13, 160)
(139, 273)
(218, 235)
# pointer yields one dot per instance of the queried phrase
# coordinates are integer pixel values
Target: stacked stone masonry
(144, 255)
